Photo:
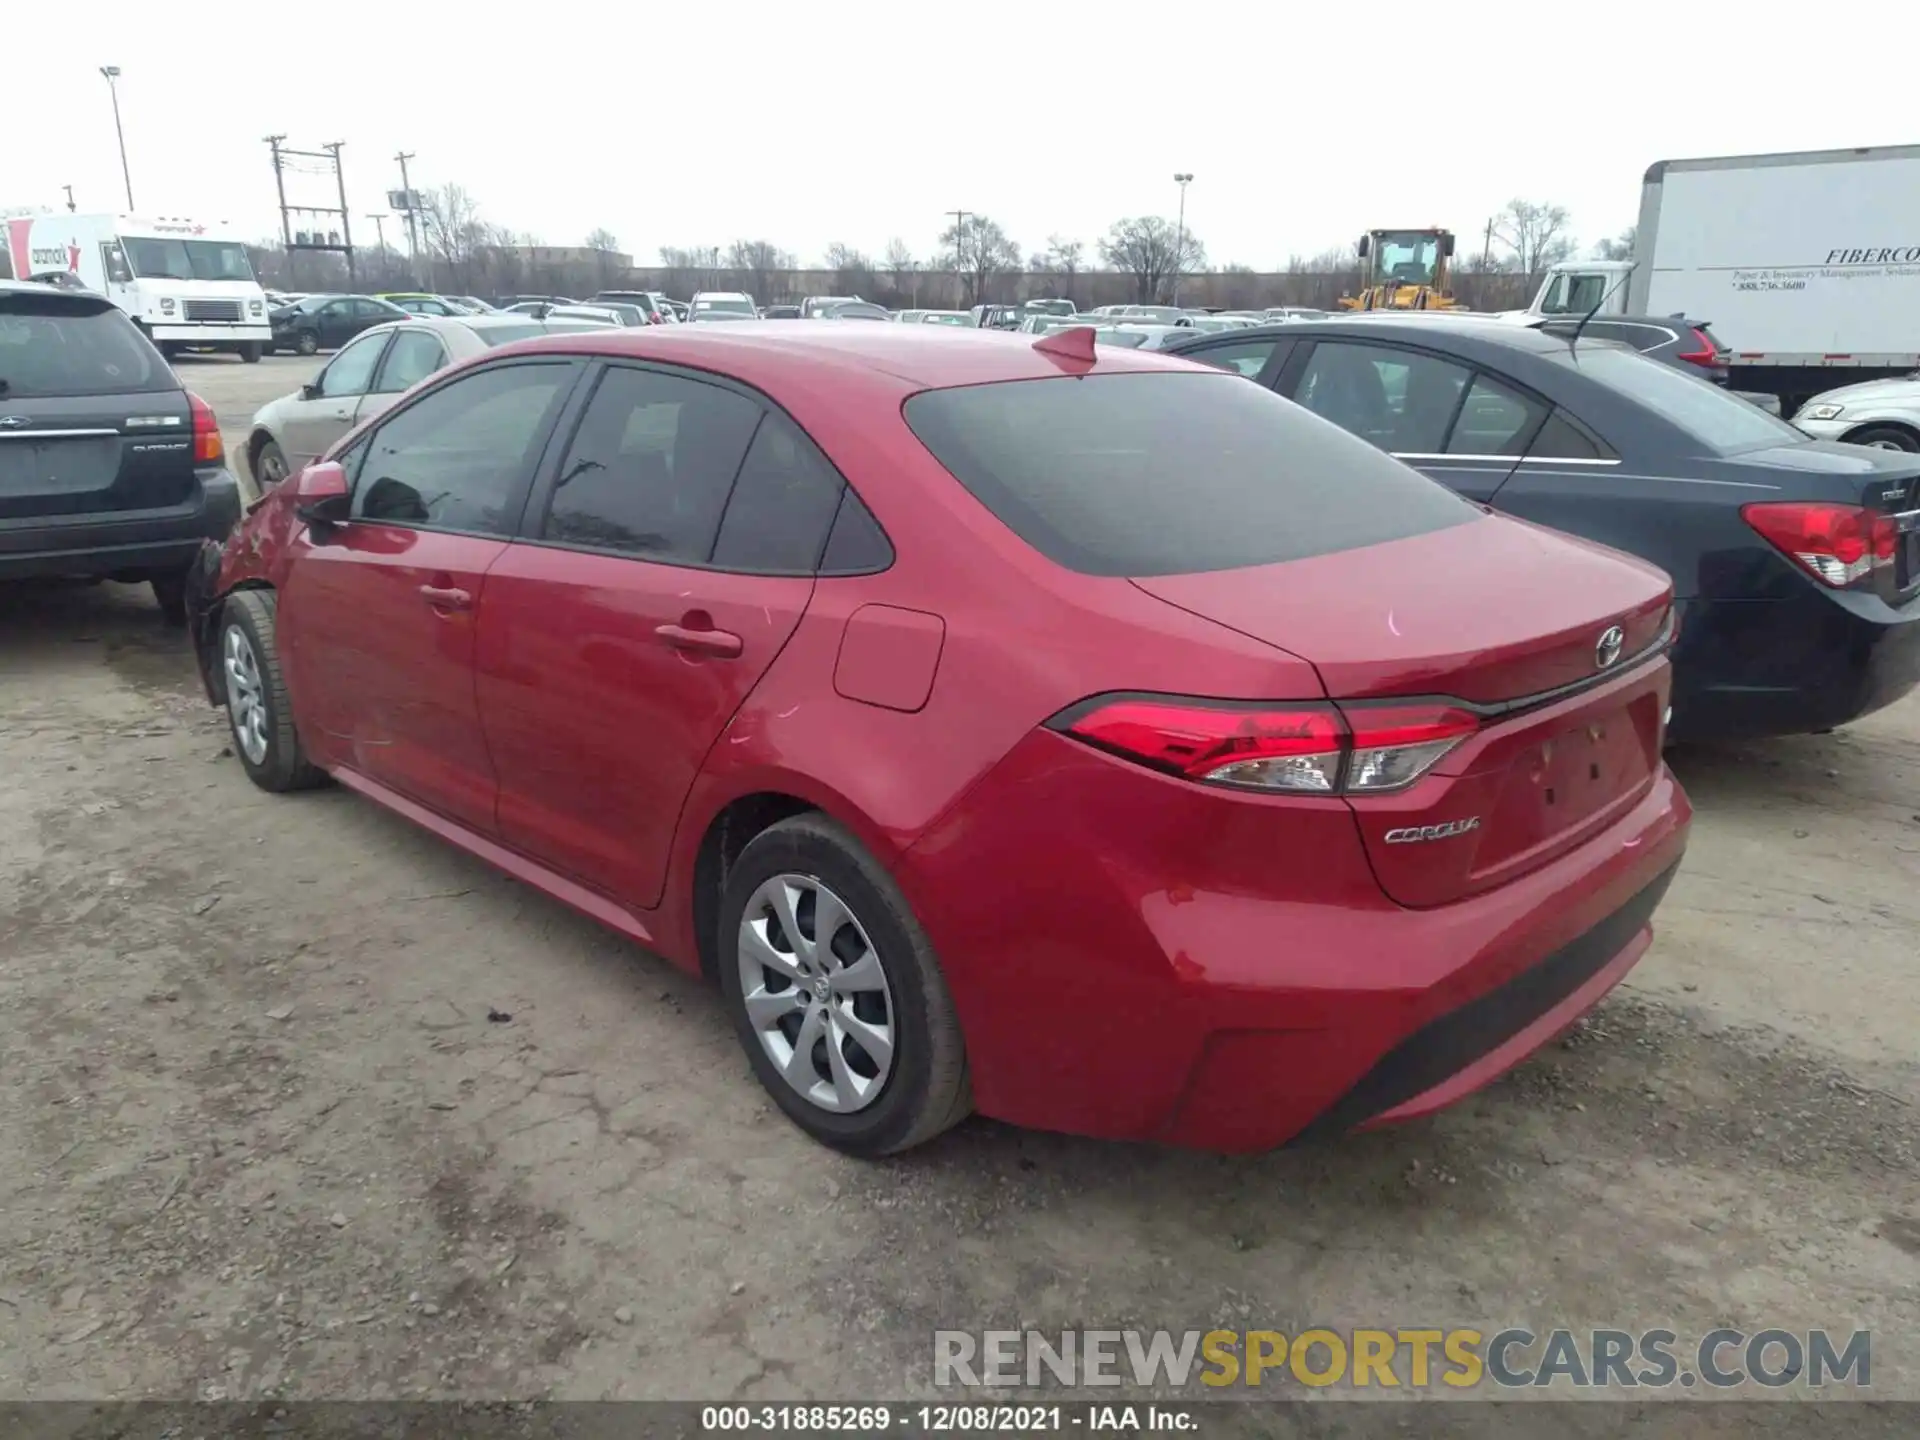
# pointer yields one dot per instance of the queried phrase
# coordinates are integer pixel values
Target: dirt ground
(268, 1132)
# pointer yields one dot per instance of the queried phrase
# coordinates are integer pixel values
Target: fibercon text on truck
(187, 284)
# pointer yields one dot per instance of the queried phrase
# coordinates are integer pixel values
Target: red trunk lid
(1502, 615)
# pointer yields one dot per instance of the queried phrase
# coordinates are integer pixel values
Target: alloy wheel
(816, 993)
(246, 696)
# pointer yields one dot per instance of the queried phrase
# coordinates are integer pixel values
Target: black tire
(307, 343)
(170, 349)
(252, 351)
(1886, 437)
(281, 765)
(269, 465)
(170, 594)
(926, 1090)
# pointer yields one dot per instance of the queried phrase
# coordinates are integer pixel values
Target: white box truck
(1806, 265)
(188, 284)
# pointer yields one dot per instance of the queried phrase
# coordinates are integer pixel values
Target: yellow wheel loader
(1404, 270)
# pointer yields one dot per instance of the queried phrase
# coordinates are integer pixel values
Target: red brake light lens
(207, 446)
(1312, 748)
(1839, 545)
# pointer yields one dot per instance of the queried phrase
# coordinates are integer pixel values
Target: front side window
(351, 371)
(1401, 400)
(650, 468)
(459, 458)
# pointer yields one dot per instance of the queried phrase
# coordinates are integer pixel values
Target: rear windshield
(1168, 473)
(1711, 415)
(48, 347)
(508, 333)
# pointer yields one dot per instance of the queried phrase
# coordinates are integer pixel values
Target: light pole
(112, 73)
(1180, 236)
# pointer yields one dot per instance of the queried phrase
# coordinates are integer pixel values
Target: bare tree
(452, 233)
(1619, 247)
(1062, 260)
(760, 262)
(852, 270)
(1152, 250)
(692, 269)
(977, 250)
(1535, 234)
(905, 271)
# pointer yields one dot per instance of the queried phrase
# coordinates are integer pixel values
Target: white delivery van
(188, 284)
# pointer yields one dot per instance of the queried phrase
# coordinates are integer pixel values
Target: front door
(314, 421)
(382, 609)
(619, 640)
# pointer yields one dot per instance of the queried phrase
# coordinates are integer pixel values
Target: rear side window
(651, 466)
(1247, 358)
(1711, 415)
(51, 346)
(782, 506)
(1561, 439)
(1401, 400)
(1166, 473)
(1494, 420)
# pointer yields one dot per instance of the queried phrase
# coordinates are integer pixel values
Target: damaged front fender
(203, 605)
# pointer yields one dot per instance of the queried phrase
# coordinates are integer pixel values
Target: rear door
(672, 553)
(380, 611)
(315, 421)
(1463, 428)
(92, 419)
(410, 357)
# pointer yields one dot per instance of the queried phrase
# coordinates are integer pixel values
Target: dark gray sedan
(1795, 562)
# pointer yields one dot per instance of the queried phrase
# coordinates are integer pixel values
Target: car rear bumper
(1750, 668)
(1176, 970)
(120, 542)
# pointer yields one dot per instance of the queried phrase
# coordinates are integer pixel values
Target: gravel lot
(265, 1137)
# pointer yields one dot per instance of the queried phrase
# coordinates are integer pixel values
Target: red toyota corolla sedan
(1091, 739)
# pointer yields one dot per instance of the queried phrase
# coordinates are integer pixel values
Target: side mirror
(321, 496)
(310, 390)
(1446, 246)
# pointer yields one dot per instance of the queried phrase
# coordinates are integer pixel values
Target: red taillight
(1839, 545)
(207, 449)
(1708, 354)
(1308, 748)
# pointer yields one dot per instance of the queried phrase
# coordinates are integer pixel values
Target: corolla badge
(1413, 834)
(1606, 650)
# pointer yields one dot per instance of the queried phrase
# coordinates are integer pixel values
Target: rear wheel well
(729, 834)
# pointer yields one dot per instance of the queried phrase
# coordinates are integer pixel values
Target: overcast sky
(809, 124)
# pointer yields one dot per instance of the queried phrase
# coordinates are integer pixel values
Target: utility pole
(960, 218)
(340, 241)
(379, 228)
(333, 148)
(70, 205)
(413, 229)
(280, 187)
(1486, 249)
(112, 72)
(1180, 237)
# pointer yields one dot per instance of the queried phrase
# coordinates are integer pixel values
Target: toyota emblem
(1606, 650)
